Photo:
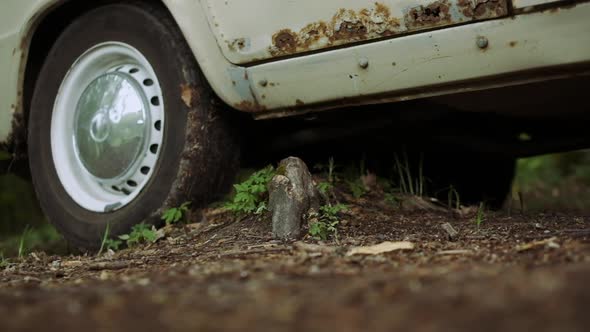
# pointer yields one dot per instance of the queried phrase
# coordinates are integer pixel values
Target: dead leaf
(381, 248)
(187, 95)
(550, 243)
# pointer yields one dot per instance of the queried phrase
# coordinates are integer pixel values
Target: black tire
(199, 154)
(475, 177)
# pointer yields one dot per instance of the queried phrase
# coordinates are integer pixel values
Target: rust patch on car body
(350, 26)
(482, 9)
(434, 14)
(249, 106)
(238, 44)
(346, 26)
(16, 142)
(285, 41)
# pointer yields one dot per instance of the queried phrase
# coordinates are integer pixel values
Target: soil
(515, 272)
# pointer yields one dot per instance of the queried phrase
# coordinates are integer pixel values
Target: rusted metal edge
(349, 26)
(503, 80)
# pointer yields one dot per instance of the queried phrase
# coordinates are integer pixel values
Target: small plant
(392, 199)
(325, 188)
(329, 169)
(174, 215)
(113, 244)
(408, 183)
(140, 233)
(453, 197)
(105, 237)
(22, 242)
(353, 178)
(357, 188)
(480, 218)
(108, 243)
(327, 222)
(3, 261)
(251, 194)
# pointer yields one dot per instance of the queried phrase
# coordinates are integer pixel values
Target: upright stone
(293, 198)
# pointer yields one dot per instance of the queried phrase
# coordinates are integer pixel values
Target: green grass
(480, 217)
(33, 238)
(409, 182)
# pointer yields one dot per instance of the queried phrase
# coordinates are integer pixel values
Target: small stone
(143, 282)
(104, 275)
(451, 232)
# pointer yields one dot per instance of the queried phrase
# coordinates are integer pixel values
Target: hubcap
(107, 124)
(111, 124)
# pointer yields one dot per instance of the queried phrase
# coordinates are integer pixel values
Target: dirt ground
(519, 272)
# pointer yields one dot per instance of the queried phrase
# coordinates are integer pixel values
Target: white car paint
(440, 61)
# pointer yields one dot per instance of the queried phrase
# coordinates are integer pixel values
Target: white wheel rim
(107, 127)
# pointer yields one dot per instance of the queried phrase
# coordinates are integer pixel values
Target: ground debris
(417, 203)
(310, 247)
(108, 266)
(547, 243)
(455, 252)
(451, 232)
(381, 248)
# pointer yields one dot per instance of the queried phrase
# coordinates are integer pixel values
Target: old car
(124, 108)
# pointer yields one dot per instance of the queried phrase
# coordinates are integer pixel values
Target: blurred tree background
(556, 182)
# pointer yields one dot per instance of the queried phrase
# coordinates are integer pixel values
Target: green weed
(113, 244)
(108, 243)
(105, 237)
(329, 169)
(174, 215)
(391, 199)
(454, 200)
(325, 188)
(480, 218)
(3, 261)
(140, 233)
(251, 194)
(356, 187)
(408, 182)
(327, 222)
(22, 243)
(352, 177)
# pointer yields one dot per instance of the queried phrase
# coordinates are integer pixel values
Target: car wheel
(114, 138)
(475, 177)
